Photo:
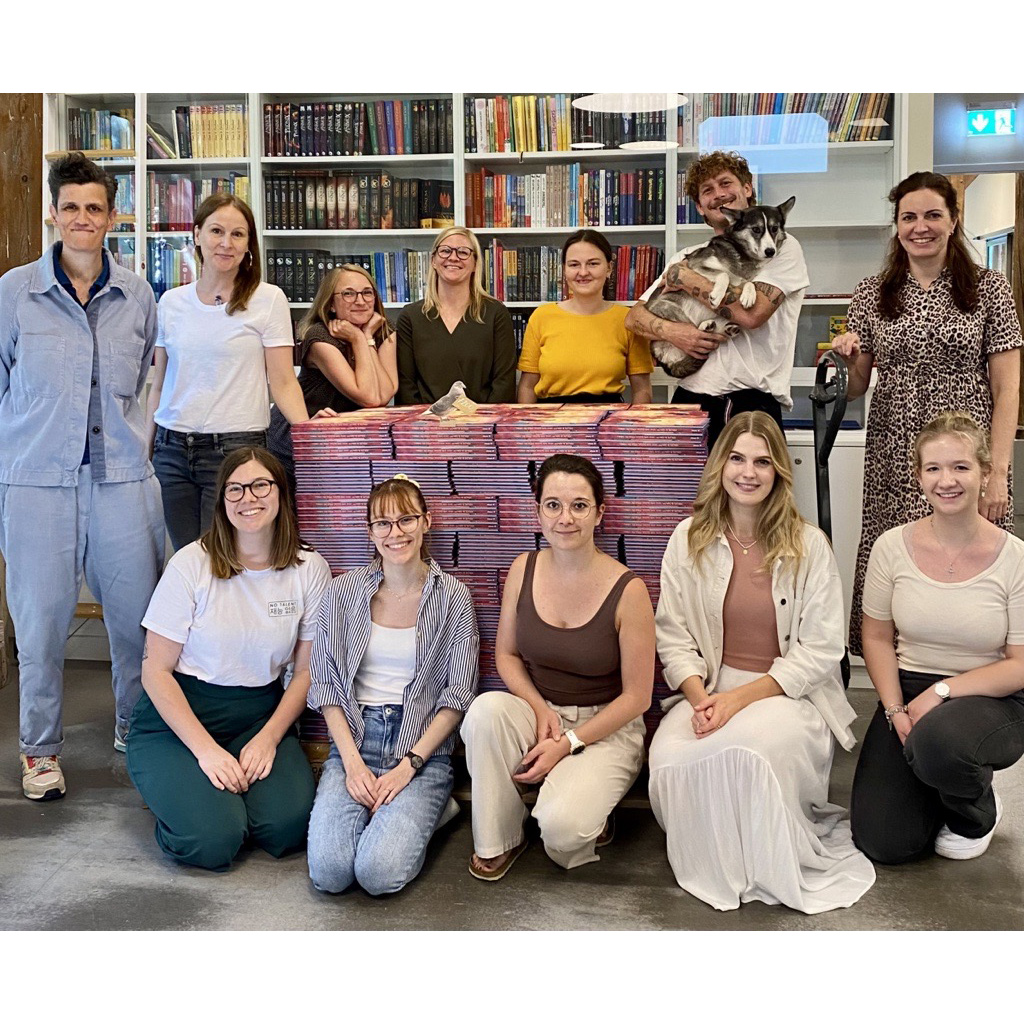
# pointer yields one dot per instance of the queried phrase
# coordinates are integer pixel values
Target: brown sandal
(607, 833)
(499, 871)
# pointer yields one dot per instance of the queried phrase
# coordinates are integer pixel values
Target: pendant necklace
(416, 588)
(745, 547)
(952, 561)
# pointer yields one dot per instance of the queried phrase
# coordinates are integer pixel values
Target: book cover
(331, 201)
(387, 202)
(374, 211)
(389, 121)
(432, 141)
(363, 206)
(354, 182)
(341, 188)
(371, 128)
(321, 200)
(309, 193)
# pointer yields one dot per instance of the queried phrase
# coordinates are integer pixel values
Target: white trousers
(574, 800)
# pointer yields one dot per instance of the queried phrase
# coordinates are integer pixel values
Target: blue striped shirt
(447, 651)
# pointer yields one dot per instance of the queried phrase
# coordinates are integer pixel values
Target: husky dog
(735, 257)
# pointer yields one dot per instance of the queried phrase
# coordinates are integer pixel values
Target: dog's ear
(730, 215)
(785, 207)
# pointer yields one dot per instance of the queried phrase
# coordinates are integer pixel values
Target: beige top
(750, 639)
(946, 628)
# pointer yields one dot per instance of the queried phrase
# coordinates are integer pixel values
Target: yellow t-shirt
(582, 354)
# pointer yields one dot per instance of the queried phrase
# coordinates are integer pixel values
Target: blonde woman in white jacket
(750, 632)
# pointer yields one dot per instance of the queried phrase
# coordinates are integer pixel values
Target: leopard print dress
(930, 359)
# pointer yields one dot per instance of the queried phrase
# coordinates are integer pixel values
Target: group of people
(214, 660)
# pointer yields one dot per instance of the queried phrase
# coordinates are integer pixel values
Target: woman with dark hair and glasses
(458, 332)
(575, 648)
(578, 350)
(223, 351)
(212, 746)
(347, 352)
(395, 665)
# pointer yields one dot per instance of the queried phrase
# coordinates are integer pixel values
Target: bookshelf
(841, 216)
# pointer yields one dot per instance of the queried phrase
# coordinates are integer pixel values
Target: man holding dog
(752, 369)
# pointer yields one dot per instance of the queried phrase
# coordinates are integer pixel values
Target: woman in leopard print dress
(943, 334)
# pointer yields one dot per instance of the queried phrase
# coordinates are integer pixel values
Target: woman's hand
(361, 783)
(700, 720)
(257, 756)
(549, 724)
(345, 331)
(847, 345)
(717, 709)
(541, 758)
(371, 325)
(391, 783)
(995, 497)
(921, 705)
(902, 724)
(325, 414)
(223, 770)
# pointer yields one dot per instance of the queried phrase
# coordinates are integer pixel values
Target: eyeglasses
(463, 252)
(405, 524)
(350, 295)
(258, 488)
(551, 508)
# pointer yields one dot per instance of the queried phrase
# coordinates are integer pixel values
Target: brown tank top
(578, 664)
(750, 639)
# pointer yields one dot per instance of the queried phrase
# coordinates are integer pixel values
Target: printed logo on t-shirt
(279, 608)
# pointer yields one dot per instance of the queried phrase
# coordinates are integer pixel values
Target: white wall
(988, 207)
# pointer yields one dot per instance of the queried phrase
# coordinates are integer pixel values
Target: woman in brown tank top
(575, 648)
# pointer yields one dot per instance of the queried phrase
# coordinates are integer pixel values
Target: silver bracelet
(894, 710)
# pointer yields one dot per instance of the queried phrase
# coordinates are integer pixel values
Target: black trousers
(722, 408)
(903, 795)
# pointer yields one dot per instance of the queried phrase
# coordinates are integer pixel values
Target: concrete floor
(89, 861)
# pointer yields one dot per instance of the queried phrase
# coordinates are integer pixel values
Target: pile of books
(174, 198)
(201, 131)
(477, 472)
(92, 128)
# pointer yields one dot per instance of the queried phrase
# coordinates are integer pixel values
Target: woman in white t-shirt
(394, 666)
(951, 692)
(212, 746)
(221, 341)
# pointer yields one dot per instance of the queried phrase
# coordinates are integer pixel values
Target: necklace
(745, 547)
(952, 561)
(415, 589)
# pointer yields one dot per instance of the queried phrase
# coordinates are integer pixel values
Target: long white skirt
(746, 812)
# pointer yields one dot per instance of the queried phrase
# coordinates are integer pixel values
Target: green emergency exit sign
(992, 121)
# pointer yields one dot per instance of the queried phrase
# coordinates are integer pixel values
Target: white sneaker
(450, 811)
(120, 738)
(41, 777)
(957, 847)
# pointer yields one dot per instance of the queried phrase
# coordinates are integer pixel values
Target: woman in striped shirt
(394, 666)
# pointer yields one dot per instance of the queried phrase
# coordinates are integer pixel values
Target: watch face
(942, 689)
(416, 761)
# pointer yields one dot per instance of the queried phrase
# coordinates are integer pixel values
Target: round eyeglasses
(462, 252)
(406, 524)
(258, 488)
(551, 508)
(350, 295)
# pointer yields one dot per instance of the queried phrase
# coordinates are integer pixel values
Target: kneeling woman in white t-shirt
(211, 747)
(394, 666)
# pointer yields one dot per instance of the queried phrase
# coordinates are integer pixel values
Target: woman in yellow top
(579, 350)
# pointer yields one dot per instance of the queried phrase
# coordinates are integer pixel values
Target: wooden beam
(960, 183)
(21, 178)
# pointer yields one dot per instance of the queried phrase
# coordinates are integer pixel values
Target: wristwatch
(416, 761)
(576, 745)
(942, 691)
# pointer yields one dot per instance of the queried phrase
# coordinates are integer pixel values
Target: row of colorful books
(357, 128)
(170, 263)
(530, 123)
(329, 200)
(534, 273)
(565, 195)
(124, 199)
(94, 128)
(400, 275)
(204, 130)
(851, 116)
(174, 198)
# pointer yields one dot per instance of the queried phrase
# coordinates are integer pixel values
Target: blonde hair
(477, 295)
(322, 310)
(780, 526)
(958, 424)
(405, 495)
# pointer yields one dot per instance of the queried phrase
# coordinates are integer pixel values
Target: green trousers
(196, 823)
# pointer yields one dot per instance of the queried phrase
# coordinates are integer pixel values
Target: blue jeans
(51, 537)
(186, 466)
(386, 851)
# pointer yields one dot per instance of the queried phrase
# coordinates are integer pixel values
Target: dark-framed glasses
(350, 294)
(405, 524)
(462, 252)
(551, 508)
(258, 488)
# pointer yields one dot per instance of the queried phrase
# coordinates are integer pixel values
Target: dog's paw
(710, 324)
(730, 330)
(721, 286)
(748, 296)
